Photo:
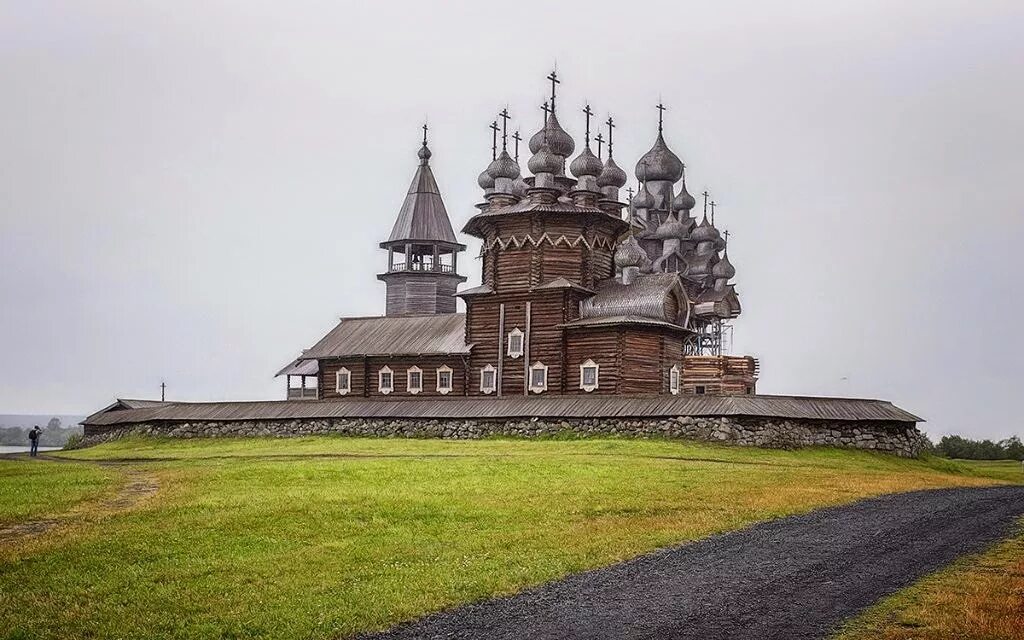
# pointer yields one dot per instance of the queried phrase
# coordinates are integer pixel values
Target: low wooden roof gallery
(555, 407)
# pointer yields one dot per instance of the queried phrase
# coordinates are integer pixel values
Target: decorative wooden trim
(380, 380)
(674, 377)
(518, 242)
(516, 353)
(538, 366)
(343, 391)
(451, 379)
(484, 388)
(408, 380)
(590, 364)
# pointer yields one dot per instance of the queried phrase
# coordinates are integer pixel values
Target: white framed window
(538, 377)
(487, 379)
(673, 380)
(414, 380)
(444, 379)
(385, 380)
(343, 381)
(589, 371)
(515, 343)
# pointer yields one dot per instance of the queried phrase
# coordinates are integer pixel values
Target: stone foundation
(899, 438)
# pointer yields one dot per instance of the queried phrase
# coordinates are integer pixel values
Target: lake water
(4, 448)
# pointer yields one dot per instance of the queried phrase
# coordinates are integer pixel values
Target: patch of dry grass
(980, 597)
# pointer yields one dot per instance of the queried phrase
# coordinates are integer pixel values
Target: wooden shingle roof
(553, 407)
(393, 336)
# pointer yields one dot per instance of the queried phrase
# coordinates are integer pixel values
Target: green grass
(978, 597)
(1009, 470)
(36, 488)
(326, 537)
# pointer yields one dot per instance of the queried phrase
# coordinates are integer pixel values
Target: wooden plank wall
(399, 368)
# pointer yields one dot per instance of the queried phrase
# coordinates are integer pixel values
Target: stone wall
(899, 438)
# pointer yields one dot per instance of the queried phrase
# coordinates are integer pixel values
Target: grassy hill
(326, 537)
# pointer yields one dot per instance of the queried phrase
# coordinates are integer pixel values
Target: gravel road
(791, 578)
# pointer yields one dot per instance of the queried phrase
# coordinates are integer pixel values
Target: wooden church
(582, 293)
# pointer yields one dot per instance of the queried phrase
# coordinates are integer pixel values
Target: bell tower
(422, 274)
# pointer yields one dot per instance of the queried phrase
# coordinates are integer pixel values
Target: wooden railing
(422, 266)
(309, 393)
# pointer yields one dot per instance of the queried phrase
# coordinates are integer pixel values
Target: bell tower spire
(422, 273)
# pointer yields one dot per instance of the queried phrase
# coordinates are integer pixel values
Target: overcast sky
(194, 191)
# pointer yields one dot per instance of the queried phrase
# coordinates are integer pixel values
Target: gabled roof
(562, 283)
(392, 336)
(423, 215)
(299, 367)
(125, 404)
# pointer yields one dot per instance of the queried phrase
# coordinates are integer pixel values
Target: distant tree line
(967, 449)
(54, 434)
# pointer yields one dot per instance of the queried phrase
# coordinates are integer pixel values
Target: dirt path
(792, 578)
(138, 485)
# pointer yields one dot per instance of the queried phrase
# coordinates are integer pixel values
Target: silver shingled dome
(503, 167)
(629, 254)
(724, 268)
(586, 164)
(659, 163)
(611, 175)
(643, 199)
(544, 160)
(561, 143)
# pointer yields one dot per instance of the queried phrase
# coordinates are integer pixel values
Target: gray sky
(194, 190)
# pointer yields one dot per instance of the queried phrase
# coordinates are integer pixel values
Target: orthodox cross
(494, 140)
(712, 213)
(504, 128)
(600, 141)
(586, 136)
(661, 112)
(553, 77)
(546, 109)
(163, 390)
(611, 127)
(705, 194)
(517, 138)
(726, 234)
(630, 192)
(424, 134)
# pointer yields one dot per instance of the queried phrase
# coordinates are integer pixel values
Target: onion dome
(670, 228)
(724, 268)
(545, 160)
(503, 167)
(659, 163)
(519, 187)
(629, 253)
(424, 154)
(611, 175)
(683, 201)
(643, 199)
(586, 164)
(705, 232)
(485, 180)
(561, 143)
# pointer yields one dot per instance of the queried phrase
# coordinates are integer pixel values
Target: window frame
(337, 381)
(488, 368)
(522, 344)
(408, 380)
(380, 380)
(590, 364)
(700, 390)
(538, 366)
(675, 380)
(451, 379)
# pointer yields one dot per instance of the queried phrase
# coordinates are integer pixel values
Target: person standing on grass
(33, 437)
